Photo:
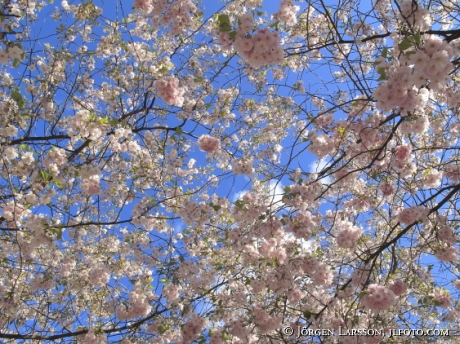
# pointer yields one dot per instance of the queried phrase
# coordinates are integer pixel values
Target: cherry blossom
(176, 171)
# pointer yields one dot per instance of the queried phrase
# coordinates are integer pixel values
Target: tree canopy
(176, 171)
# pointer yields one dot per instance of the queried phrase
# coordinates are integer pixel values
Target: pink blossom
(398, 287)
(379, 298)
(446, 234)
(386, 189)
(442, 298)
(168, 89)
(407, 216)
(403, 152)
(287, 12)
(260, 49)
(410, 215)
(310, 265)
(447, 254)
(142, 4)
(209, 144)
(348, 235)
(323, 275)
(13, 213)
(457, 284)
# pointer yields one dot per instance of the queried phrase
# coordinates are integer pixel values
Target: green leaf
(57, 183)
(232, 34)
(224, 27)
(224, 22)
(92, 116)
(24, 147)
(307, 314)
(104, 120)
(113, 122)
(44, 175)
(363, 293)
(17, 97)
(418, 37)
(383, 75)
(239, 203)
(163, 328)
(385, 52)
(179, 131)
(57, 232)
(15, 63)
(405, 44)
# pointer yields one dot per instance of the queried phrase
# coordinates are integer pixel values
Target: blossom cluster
(417, 125)
(13, 213)
(139, 305)
(11, 53)
(386, 188)
(447, 253)
(402, 154)
(413, 214)
(177, 14)
(322, 145)
(259, 49)
(302, 195)
(303, 224)
(266, 322)
(92, 337)
(379, 298)
(398, 287)
(143, 4)
(168, 89)
(287, 12)
(209, 144)
(193, 328)
(446, 234)
(172, 292)
(411, 13)
(406, 88)
(323, 275)
(348, 235)
(432, 178)
(441, 297)
(243, 166)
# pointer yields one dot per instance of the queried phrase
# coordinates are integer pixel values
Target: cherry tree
(225, 172)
